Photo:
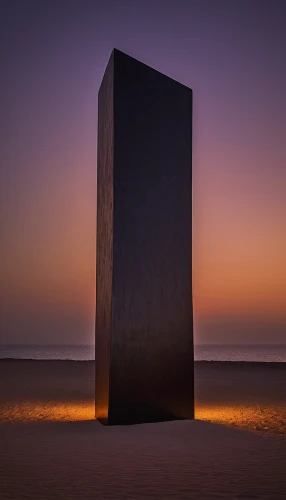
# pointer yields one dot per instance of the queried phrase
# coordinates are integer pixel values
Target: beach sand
(51, 446)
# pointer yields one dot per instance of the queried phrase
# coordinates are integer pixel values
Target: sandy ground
(50, 446)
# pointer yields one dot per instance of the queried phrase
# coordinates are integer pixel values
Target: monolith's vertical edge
(144, 340)
(104, 243)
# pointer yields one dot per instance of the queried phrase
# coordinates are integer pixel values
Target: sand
(51, 447)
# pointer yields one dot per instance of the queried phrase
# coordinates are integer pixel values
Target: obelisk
(144, 316)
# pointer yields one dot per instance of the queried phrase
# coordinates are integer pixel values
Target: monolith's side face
(149, 332)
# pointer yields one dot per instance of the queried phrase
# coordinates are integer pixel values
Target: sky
(53, 55)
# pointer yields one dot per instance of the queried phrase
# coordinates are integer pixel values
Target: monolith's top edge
(121, 53)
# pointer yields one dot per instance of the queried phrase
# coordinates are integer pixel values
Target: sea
(258, 353)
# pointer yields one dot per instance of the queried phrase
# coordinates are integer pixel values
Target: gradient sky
(53, 55)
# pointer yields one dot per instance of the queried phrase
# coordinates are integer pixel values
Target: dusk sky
(53, 55)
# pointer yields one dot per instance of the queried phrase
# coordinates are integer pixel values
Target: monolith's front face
(144, 326)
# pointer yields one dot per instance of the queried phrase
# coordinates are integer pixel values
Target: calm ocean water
(265, 353)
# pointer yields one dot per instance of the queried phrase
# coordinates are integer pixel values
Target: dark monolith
(144, 320)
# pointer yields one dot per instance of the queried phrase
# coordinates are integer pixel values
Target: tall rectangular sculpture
(144, 321)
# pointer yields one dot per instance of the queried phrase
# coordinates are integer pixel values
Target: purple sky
(232, 54)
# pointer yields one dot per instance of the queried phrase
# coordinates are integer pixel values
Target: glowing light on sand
(48, 411)
(252, 417)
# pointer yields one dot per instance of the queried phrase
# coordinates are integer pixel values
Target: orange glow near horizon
(238, 263)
